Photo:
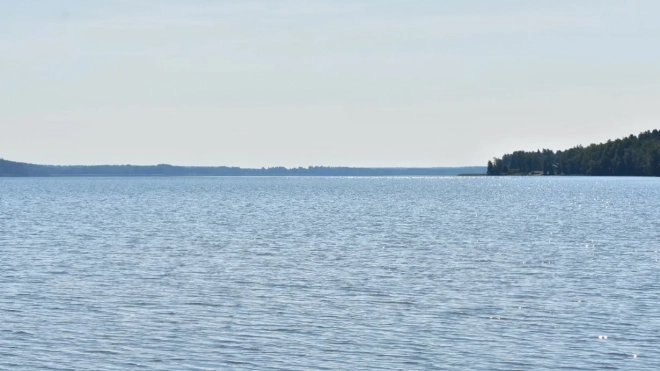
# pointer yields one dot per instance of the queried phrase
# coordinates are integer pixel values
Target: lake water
(329, 273)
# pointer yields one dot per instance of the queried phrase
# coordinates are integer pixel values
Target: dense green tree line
(634, 155)
(10, 168)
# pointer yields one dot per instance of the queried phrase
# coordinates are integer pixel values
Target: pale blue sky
(297, 83)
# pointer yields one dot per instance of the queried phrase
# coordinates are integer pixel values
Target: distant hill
(631, 156)
(20, 169)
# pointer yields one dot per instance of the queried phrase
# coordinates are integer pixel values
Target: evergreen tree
(634, 155)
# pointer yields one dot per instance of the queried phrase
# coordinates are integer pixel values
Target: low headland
(630, 156)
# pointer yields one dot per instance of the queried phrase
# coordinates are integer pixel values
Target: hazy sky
(310, 82)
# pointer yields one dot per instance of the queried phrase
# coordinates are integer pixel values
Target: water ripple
(329, 273)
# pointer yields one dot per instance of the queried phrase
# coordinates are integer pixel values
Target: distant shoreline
(20, 169)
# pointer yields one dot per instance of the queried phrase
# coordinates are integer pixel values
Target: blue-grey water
(329, 273)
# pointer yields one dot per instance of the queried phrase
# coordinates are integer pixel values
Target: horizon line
(249, 167)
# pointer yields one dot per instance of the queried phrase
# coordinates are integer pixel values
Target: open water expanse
(330, 273)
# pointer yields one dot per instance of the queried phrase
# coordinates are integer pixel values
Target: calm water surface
(329, 273)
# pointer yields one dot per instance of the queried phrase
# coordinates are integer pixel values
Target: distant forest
(19, 169)
(633, 155)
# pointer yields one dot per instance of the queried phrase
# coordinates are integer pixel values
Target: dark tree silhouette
(633, 155)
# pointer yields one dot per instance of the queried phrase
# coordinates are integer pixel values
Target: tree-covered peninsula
(631, 156)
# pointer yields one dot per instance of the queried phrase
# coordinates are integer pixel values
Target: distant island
(20, 169)
(631, 156)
